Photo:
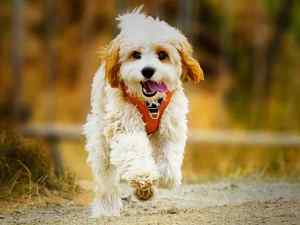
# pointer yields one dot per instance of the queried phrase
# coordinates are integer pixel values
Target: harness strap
(151, 114)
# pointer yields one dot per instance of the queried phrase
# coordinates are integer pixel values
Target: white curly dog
(137, 128)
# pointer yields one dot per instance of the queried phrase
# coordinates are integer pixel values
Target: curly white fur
(116, 140)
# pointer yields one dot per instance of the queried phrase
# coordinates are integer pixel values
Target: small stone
(18, 211)
(233, 186)
(172, 211)
(126, 198)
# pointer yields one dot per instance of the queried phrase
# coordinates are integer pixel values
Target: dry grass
(212, 162)
(208, 162)
(26, 171)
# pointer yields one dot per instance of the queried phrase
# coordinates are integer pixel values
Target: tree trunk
(17, 56)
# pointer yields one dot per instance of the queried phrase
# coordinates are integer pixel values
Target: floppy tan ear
(191, 69)
(110, 57)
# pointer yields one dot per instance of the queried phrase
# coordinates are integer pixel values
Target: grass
(207, 162)
(27, 176)
(26, 170)
(210, 162)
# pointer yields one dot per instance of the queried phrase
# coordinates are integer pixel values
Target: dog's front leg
(169, 164)
(171, 140)
(131, 154)
(107, 200)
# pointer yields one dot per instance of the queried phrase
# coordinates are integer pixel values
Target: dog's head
(149, 56)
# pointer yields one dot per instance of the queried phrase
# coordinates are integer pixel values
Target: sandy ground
(236, 203)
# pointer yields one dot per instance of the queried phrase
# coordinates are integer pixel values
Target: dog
(137, 128)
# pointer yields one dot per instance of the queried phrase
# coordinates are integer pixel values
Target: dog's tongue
(152, 86)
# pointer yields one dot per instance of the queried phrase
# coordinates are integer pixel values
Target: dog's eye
(162, 55)
(136, 55)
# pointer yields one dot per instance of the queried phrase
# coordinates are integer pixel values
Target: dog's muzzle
(150, 87)
(146, 91)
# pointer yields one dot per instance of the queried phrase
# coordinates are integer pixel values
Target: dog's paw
(106, 207)
(168, 182)
(169, 178)
(144, 188)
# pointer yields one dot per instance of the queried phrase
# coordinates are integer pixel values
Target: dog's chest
(151, 110)
(153, 107)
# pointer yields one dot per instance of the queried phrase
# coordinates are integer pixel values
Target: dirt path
(216, 203)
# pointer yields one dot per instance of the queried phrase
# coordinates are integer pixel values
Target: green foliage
(266, 99)
(211, 15)
(272, 6)
(295, 26)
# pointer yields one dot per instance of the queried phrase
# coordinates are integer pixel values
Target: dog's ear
(110, 57)
(191, 69)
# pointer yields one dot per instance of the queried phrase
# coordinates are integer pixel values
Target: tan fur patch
(112, 65)
(191, 69)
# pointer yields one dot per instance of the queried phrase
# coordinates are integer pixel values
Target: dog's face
(155, 59)
(147, 69)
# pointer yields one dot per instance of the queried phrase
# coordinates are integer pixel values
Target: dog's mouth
(150, 87)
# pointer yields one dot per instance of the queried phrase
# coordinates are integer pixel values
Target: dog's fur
(118, 145)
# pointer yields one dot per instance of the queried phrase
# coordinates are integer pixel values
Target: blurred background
(244, 118)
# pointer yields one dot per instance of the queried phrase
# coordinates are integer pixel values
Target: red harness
(151, 119)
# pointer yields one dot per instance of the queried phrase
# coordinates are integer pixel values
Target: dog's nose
(148, 72)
